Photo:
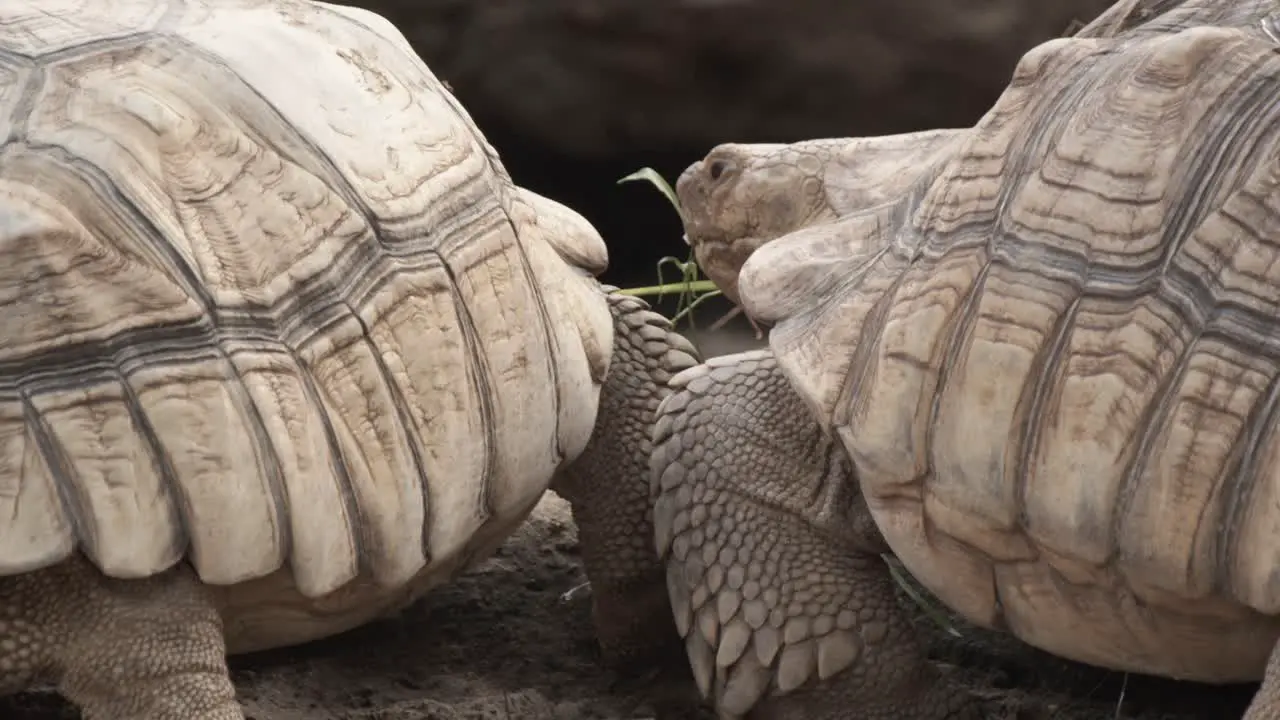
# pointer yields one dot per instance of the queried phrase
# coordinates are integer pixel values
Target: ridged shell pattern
(1060, 352)
(268, 298)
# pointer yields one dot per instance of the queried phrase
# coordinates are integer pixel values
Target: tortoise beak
(692, 197)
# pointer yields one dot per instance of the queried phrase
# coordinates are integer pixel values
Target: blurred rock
(595, 77)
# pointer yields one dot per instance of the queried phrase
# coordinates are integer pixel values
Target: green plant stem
(698, 286)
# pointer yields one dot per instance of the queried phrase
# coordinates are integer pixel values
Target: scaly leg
(608, 487)
(1266, 703)
(773, 561)
(119, 649)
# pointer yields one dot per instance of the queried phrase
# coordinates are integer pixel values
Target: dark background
(574, 94)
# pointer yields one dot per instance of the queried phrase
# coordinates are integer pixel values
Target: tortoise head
(742, 196)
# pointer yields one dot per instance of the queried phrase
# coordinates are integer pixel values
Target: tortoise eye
(716, 169)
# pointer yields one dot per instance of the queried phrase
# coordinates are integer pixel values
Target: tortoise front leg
(1266, 703)
(773, 561)
(119, 649)
(608, 487)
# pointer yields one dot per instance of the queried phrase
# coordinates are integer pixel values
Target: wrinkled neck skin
(722, 257)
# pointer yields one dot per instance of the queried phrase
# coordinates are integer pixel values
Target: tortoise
(284, 347)
(1037, 360)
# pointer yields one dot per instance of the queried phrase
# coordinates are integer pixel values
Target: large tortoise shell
(269, 299)
(1054, 358)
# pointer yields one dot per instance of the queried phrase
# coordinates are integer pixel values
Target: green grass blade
(688, 310)
(651, 176)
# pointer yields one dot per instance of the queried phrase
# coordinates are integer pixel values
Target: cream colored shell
(269, 300)
(1055, 360)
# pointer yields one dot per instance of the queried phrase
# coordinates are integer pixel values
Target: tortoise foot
(119, 649)
(608, 487)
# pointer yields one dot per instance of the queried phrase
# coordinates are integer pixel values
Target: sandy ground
(501, 643)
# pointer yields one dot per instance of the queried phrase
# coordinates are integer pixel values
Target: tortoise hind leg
(1266, 703)
(773, 561)
(119, 649)
(608, 488)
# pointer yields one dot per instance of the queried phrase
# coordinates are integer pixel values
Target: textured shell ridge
(540, 222)
(1074, 377)
(301, 348)
(837, 274)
